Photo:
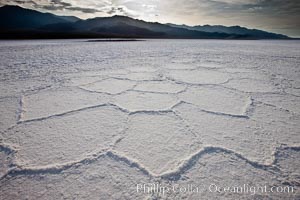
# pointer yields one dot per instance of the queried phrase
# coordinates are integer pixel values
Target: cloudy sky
(281, 16)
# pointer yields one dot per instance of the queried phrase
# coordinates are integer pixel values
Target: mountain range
(20, 23)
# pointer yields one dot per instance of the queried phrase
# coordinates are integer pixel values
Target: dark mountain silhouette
(20, 23)
(233, 30)
(15, 17)
(121, 25)
(69, 18)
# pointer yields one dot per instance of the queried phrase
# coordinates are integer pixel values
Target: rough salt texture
(79, 124)
(202, 76)
(110, 86)
(63, 100)
(134, 101)
(160, 87)
(219, 100)
(160, 134)
(251, 85)
(10, 109)
(68, 138)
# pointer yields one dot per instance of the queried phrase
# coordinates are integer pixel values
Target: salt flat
(88, 120)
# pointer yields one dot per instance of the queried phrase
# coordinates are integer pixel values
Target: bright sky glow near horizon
(271, 15)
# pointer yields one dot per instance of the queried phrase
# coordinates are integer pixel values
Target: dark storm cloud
(52, 5)
(121, 10)
(84, 10)
(60, 3)
(113, 10)
(16, 2)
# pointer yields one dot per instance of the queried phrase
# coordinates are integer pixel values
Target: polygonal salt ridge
(291, 87)
(157, 141)
(101, 74)
(277, 122)
(93, 180)
(10, 111)
(293, 91)
(135, 101)
(139, 76)
(6, 159)
(282, 101)
(222, 169)
(15, 88)
(251, 75)
(287, 158)
(109, 72)
(295, 84)
(239, 134)
(82, 80)
(216, 99)
(269, 113)
(110, 86)
(239, 72)
(199, 76)
(160, 87)
(251, 85)
(56, 102)
(67, 138)
(211, 65)
(142, 69)
(180, 66)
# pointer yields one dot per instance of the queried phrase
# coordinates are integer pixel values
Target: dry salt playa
(155, 119)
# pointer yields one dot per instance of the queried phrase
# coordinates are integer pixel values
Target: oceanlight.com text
(157, 188)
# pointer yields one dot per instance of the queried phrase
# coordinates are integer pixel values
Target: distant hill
(233, 30)
(69, 18)
(121, 25)
(15, 17)
(21, 23)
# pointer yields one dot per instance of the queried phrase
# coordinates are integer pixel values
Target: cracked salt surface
(102, 178)
(291, 104)
(110, 86)
(251, 85)
(278, 123)
(142, 69)
(59, 101)
(6, 159)
(79, 124)
(139, 76)
(293, 91)
(238, 134)
(80, 81)
(234, 172)
(199, 76)
(217, 99)
(134, 101)
(10, 112)
(66, 138)
(163, 135)
(160, 87)
(179, 66)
